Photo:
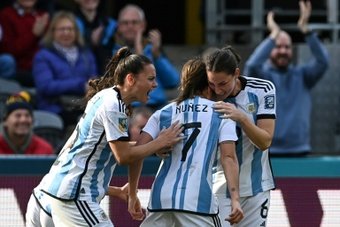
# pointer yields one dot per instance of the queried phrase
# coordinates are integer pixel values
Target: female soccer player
(182, 191)
(80, 176)
(251, 103)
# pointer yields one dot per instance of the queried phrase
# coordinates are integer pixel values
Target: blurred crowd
(52, 53)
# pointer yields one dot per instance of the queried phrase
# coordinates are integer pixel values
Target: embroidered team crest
(269, 101)
(123, 125)
(251, 107)
(104, 216)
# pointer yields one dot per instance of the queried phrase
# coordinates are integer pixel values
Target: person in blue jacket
(97, 29)
(130, 30)
(7, 66)
(272, 60)
(62, 67)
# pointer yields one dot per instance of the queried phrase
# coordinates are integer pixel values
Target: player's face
(19, 122)
(65, 33)
(221, 83)
(145, 82)
(281, 55)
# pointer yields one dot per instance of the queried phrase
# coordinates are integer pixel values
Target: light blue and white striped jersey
(184, 180)
(85, 165)
(257, 100)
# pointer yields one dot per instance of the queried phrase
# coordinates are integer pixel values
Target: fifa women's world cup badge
(269, 102)
(122, 124)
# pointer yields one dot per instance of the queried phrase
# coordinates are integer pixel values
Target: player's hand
(169, 137)
(135, 208)
(228, 110)
(163, 154)
(305, 12)
(124, 194)
(236, 214)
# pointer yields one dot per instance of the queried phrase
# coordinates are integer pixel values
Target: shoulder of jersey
(257, 83)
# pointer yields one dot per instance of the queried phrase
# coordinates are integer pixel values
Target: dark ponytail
(223, 60)
(108, 79)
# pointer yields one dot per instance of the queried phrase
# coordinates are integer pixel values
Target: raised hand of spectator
(305, 12)
(96, 35)
(155, 38)
(272, 26)
(139, 42)
(40, 24)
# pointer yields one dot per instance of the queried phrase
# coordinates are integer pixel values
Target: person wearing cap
(17, 135)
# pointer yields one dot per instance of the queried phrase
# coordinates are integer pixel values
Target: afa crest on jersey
(251, 108)
(122, 124)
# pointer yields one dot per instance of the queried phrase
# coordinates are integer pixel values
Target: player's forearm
(231, 172)
(260, 137)
(141, 151)
(130, 154)
(113, 191)
(135, 170)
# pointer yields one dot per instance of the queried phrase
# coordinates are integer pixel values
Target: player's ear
(131, 80)
(237, 72)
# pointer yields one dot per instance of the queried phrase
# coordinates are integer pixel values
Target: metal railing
(217, 26)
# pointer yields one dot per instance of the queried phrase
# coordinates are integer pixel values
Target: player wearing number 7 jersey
(182, 193)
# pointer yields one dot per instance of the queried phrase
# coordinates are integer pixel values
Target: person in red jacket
(17, 134)
(22, 28)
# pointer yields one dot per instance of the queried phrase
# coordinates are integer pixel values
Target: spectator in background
(97, 29)
(62, 67)
(7, 63)
(22, 27)
(272, 60)
(130, 30)
(7, 66)
(17, 133)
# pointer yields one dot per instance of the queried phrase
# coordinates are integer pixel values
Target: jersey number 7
(192, 138)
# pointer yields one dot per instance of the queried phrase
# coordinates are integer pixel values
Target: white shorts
(255, 209)
(78, 213)
(36, 216)
(175, 218)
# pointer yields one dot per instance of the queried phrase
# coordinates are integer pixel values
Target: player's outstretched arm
(119, 192)
(231, 171)
(135, 170)
(126, 154)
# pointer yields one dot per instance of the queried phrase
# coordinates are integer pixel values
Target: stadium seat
(50, 127)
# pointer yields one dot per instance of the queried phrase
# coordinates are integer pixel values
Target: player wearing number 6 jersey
(251, 103)
(182, 194)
